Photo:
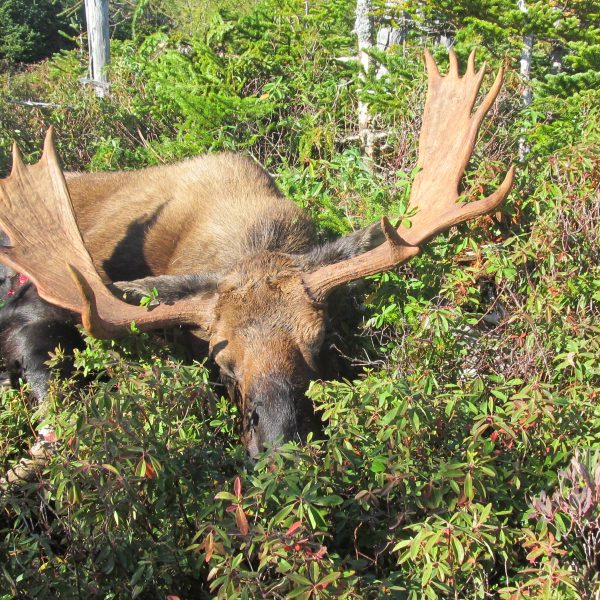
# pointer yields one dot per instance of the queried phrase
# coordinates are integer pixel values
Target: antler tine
(470, 210)
(49, 154)
(90, 320)
(489, 99)
(453, 70)
(391, 234)
(471, 63)
(446, 143)
(17, 160)
(37, 215)
(432, 68)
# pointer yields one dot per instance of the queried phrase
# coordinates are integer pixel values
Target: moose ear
(345, 247)
(169, 288)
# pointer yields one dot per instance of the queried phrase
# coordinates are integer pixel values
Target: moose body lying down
(233, 261)
(210, 227)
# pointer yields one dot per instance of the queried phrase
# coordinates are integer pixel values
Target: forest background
(464, 459)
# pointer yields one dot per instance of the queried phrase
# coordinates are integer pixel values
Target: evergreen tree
(30, 30)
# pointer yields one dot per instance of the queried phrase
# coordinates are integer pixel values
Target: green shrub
(30, 31)
(454, 464)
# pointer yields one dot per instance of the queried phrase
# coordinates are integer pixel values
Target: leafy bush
(413, 490)
(461, 463)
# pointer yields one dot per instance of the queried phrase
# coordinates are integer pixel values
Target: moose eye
(227, 368)
(226, 365)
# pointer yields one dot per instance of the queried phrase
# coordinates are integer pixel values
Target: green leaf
(331, 500)
(140, 469)
(225, 496)
(379, 465)
(458, 549)
(111, 468)
(468, 486)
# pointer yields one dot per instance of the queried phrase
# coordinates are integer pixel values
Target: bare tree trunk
(446, 40)
(387, 37)
(363, 27)
(96, 15)
(525, 70)
(526, 57)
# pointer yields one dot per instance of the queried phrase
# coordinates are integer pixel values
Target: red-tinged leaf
(169, 597)
(237, 487)
(209, 546)
(533, 556)
(241, 521)
(320, 553)
(150, 472)
(293, 527)
(231, 508)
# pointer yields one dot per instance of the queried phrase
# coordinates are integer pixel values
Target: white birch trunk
(96, 15)
(525, 71)
(447, 41)
(388, 36)
(363, 27)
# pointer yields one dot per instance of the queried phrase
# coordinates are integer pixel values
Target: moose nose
(271, 417)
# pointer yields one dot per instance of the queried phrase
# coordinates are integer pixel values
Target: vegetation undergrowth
(464, 462)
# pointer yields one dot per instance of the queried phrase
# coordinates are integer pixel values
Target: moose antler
(37, 215)
(446, 143)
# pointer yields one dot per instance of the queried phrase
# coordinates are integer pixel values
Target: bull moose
(233, 261)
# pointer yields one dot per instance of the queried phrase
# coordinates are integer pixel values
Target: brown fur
(222, 221)
(183, 216)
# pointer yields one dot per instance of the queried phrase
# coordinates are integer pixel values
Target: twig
(148, 146)
(376, 135)
(27, 468)
(39, 104)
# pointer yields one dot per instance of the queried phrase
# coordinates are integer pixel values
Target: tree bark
(525, 71)
(363, 27)
(96, 15)
(387, 37)
(526, 57)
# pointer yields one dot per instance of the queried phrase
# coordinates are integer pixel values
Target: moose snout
(271, 414)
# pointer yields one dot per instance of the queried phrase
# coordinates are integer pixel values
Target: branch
(29, 469)
(39, 104)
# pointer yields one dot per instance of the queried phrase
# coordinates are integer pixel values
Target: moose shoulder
(232, 259)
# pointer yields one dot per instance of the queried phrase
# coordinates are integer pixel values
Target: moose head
(264, 315)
